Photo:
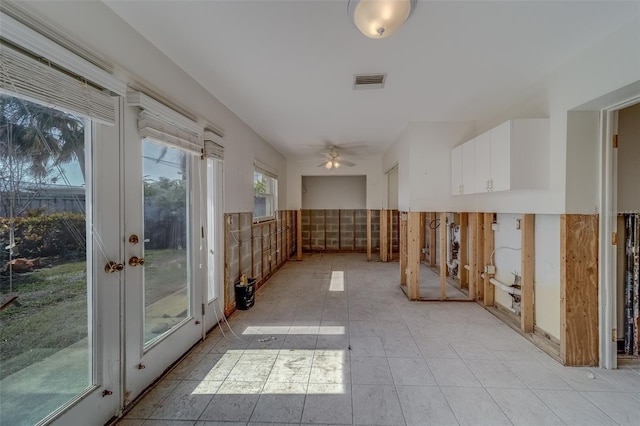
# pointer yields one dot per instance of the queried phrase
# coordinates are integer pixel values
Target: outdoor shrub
(56, 234)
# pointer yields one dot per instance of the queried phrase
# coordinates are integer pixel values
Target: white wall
(334, 192)
(629, 159)
(392, 189)
(95, 26)
(547, 274)
(506, 260)
(369, 167)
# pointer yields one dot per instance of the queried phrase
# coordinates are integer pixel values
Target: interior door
(161, 246)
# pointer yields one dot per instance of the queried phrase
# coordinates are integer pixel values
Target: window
(265, 195)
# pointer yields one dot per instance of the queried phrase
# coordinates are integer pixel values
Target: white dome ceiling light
(379, 18)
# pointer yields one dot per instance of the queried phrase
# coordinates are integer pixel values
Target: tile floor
(332, 340)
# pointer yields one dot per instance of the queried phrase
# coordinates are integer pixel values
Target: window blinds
(264, 169)
(213, 147)
(161, 123)
(26, 77)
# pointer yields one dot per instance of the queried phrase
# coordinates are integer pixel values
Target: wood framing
(463, 251)
(473, 258)
(384, 235)
(414, 232)
(479, 255)
(299, 234)
(489, 289)
(443, 255)
(288, 234)
(369, 235)
(527, 268)
(579, 289)
(423, 235)
(227, 277)
(432, 239)
(403, 248)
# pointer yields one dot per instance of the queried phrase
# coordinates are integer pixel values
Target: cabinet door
(456, 171)
(469, 167)
(501, 157)
(483, 162)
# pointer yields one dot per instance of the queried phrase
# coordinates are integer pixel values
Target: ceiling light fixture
(379, 18)
(332, 165)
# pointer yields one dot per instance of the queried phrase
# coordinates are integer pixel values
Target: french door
(162, 249)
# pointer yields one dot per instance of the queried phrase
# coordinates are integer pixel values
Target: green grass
(52, 314)
(53, 311)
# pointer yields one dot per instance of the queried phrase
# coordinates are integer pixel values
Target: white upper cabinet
(513, 155)
(469, 167)
(483, 162)
(456, 171)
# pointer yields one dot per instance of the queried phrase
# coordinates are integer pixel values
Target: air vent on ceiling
(369, 81)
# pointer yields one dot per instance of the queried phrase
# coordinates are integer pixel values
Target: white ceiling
(286, 67)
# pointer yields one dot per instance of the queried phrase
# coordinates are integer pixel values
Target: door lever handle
(136, 261)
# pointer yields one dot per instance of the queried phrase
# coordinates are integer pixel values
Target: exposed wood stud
(324, 227)
(489, 289)
(473, 258)
(579, 289)
(384, 234)
(227, 241)
(527, 267)
(299, 232)
(443, 255)
(463, 251)
(239, 234)
(369, 235)
(413, 252)
(423, 235)
(479, 254)
(432, 239)
(403, 249)
(354, 230)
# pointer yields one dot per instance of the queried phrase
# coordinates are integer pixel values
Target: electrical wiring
(500, 248)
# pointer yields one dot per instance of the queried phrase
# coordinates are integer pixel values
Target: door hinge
(615, 141)
(614, 239)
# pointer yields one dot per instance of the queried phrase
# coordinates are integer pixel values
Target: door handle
(135, 261)
(112, 267)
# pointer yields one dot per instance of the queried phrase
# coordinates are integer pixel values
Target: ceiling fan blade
(347, 163)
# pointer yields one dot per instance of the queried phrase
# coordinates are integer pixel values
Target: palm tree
(34, 140)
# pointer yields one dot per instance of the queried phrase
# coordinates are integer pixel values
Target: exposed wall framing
(489, 290)
(579, 289)
(338, 230)
(257, 250)
(527, 268)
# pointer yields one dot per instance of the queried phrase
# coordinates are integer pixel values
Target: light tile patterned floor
(310, 353)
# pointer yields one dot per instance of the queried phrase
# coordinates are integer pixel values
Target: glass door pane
(166, 239)
(46, 320)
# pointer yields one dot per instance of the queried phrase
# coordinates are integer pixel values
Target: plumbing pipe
(504, 287)
(467, 267)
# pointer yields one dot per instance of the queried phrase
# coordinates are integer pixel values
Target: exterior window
(265, 197)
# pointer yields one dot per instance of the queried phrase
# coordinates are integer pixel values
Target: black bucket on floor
(245, 294)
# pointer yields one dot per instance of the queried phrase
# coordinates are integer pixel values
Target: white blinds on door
(213, 146)
(163, 124)
(25, 77)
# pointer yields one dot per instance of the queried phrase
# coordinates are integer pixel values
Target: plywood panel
(527, 268)
(579, 289)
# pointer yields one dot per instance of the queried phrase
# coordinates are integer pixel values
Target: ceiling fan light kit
(379, 18)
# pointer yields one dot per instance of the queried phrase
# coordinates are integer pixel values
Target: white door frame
(608, 351)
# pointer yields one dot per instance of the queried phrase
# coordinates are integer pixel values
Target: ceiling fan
(334, 161)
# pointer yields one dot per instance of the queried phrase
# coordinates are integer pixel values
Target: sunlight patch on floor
(277, 372)
(337, 281)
